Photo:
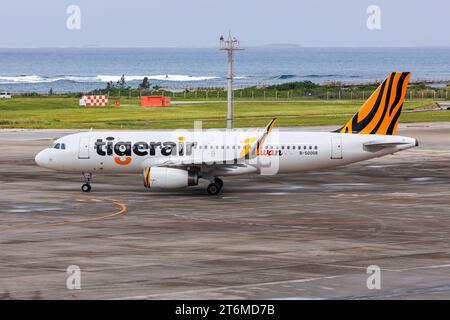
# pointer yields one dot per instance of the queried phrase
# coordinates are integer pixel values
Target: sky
(199, 23)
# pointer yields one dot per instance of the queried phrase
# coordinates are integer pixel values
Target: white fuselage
(214, 152)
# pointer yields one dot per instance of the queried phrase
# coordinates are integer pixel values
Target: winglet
(255, 150)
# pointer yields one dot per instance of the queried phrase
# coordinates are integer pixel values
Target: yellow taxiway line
(122, 209)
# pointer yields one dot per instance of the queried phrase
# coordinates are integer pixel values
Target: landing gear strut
(215, 187)
(219, 182)
(86, 187)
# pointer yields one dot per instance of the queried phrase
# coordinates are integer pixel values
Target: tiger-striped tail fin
(381, 112)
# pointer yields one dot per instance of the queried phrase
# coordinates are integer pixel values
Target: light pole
(231, 44)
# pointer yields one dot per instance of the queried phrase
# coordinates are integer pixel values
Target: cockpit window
(59, 146)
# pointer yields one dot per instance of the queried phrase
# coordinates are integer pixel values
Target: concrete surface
(309, 235)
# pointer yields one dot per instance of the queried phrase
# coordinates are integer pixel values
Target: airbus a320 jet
(179, 158)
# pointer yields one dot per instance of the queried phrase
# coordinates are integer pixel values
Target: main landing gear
(86, 187)
(215, 187)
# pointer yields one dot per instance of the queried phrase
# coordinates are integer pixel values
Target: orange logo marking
(122, 162)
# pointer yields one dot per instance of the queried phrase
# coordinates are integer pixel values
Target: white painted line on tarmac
(226, 288)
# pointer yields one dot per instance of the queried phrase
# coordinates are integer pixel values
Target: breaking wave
(161, 77)
(22, 79)
(330, 76)
(100, 78)
(284, 76)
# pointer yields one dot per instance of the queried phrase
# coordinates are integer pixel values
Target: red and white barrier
(94, 101)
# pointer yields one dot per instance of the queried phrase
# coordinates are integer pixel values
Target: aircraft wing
(249, 152)
(174, 161)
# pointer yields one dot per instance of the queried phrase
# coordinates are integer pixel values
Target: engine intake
(169, 178)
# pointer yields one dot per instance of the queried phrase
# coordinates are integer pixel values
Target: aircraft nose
(41, 159)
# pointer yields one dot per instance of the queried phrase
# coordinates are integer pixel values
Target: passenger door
(83, 151)
(336, 147)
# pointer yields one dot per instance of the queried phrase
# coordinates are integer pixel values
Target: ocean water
(81, 70)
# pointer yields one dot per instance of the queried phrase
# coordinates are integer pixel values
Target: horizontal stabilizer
(378, 145)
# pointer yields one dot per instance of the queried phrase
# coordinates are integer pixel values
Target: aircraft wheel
(213, 189)
(86, 187)
(219, 182)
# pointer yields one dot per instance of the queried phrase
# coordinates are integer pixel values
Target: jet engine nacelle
(169, 178)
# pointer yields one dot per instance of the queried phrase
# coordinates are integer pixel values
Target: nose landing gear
(86, 187)
(215, 187)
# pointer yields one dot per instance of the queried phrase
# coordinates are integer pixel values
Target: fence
(262, 95)
(278, 95)
(256, 95)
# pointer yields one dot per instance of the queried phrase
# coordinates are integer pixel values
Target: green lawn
(58, 112)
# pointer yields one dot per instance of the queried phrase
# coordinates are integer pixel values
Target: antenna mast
(231, 44)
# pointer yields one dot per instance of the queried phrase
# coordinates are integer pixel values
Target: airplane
(179, 158)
